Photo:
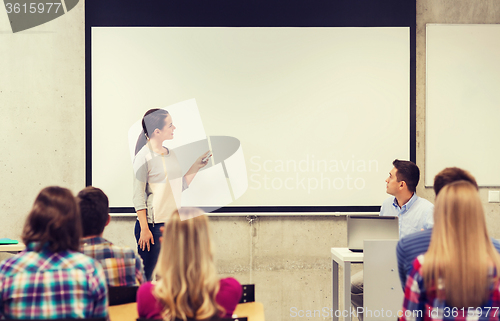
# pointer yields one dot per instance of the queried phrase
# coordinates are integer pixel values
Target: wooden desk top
(254, 311)
(123, 312)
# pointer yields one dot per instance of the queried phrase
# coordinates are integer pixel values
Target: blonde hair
(461, 252)
(188, 282)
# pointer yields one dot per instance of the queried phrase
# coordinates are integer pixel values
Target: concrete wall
(42, 139)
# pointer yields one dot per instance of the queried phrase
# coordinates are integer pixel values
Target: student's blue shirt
(415, 215)
(411, 246)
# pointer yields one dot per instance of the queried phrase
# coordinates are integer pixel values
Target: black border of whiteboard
(247, 13)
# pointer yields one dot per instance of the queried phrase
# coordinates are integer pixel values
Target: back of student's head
(460, 252)
(94, 209)
(188, 280)
(407, 171)
(450, 175)
(54, 220)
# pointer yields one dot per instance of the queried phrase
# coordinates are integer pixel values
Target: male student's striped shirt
(421, 303)
(39, 285)
(122, 266)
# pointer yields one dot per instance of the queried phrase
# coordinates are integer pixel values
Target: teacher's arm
(146, 235)
(140, 186)
(197, 165)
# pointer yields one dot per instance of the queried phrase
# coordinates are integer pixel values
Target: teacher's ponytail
(141, 141)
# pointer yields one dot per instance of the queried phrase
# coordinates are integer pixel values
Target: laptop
(360, 228)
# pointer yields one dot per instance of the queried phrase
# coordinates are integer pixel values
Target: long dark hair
(153, 118)
(54, 220)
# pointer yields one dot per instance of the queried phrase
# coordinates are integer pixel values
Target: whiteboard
(463, 100)
(321, 113)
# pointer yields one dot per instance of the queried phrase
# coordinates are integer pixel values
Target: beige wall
(42, 139)
(450, 11)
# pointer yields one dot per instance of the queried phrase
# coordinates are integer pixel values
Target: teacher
(158, 183)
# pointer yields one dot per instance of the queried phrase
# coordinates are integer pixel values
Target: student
(414, 213)
(50, 279)
(413, 245)
(187, 284)
(158, 183)
(122, 266)
(457, 277)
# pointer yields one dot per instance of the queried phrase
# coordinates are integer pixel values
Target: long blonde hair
(188, 282)
(461, 252)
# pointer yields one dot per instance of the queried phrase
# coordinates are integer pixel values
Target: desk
(12, 248)
(123, 312)
(344, 257)
(254, 311)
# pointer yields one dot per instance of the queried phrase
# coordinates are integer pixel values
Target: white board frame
(463, 100)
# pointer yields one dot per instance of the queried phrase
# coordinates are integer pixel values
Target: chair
(90, 319)
(123, 312)
(122, 294)
(246, 310)
(247, 307)
(248, 294)
(382, 287)
(212, 319)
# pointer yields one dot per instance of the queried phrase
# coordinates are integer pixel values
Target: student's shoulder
(496, 244)
(229, 282)
(387, 205)
(417, 237)
(80, 259)
(121, 250)
(145, 290)
(20, 262)
(82, 262)
(415, 243)
(424, 202)
(418, 263)
(389, 200)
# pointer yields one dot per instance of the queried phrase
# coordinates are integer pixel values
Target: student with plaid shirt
(457, 278)
(123, 267)
(50, 279)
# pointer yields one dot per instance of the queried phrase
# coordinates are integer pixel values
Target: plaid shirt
(51, 285)
(122, 266)
(420, 304)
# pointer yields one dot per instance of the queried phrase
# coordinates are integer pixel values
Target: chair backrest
(213, 319)
(122, 294)
(248, 294)
(89, 319)
(382, 287)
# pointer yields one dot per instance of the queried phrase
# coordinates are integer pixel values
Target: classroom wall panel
(28, 163)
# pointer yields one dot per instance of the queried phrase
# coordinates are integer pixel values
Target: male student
(121, 265)
(413, 245)
(414, 213)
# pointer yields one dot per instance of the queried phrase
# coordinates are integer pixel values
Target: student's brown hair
(408, 172)
(54, 220)
(94, 210)
(450, 175)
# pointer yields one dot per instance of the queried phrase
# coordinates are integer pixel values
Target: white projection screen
(319, 113)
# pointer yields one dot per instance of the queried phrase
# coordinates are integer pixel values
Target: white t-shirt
(158, 184)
